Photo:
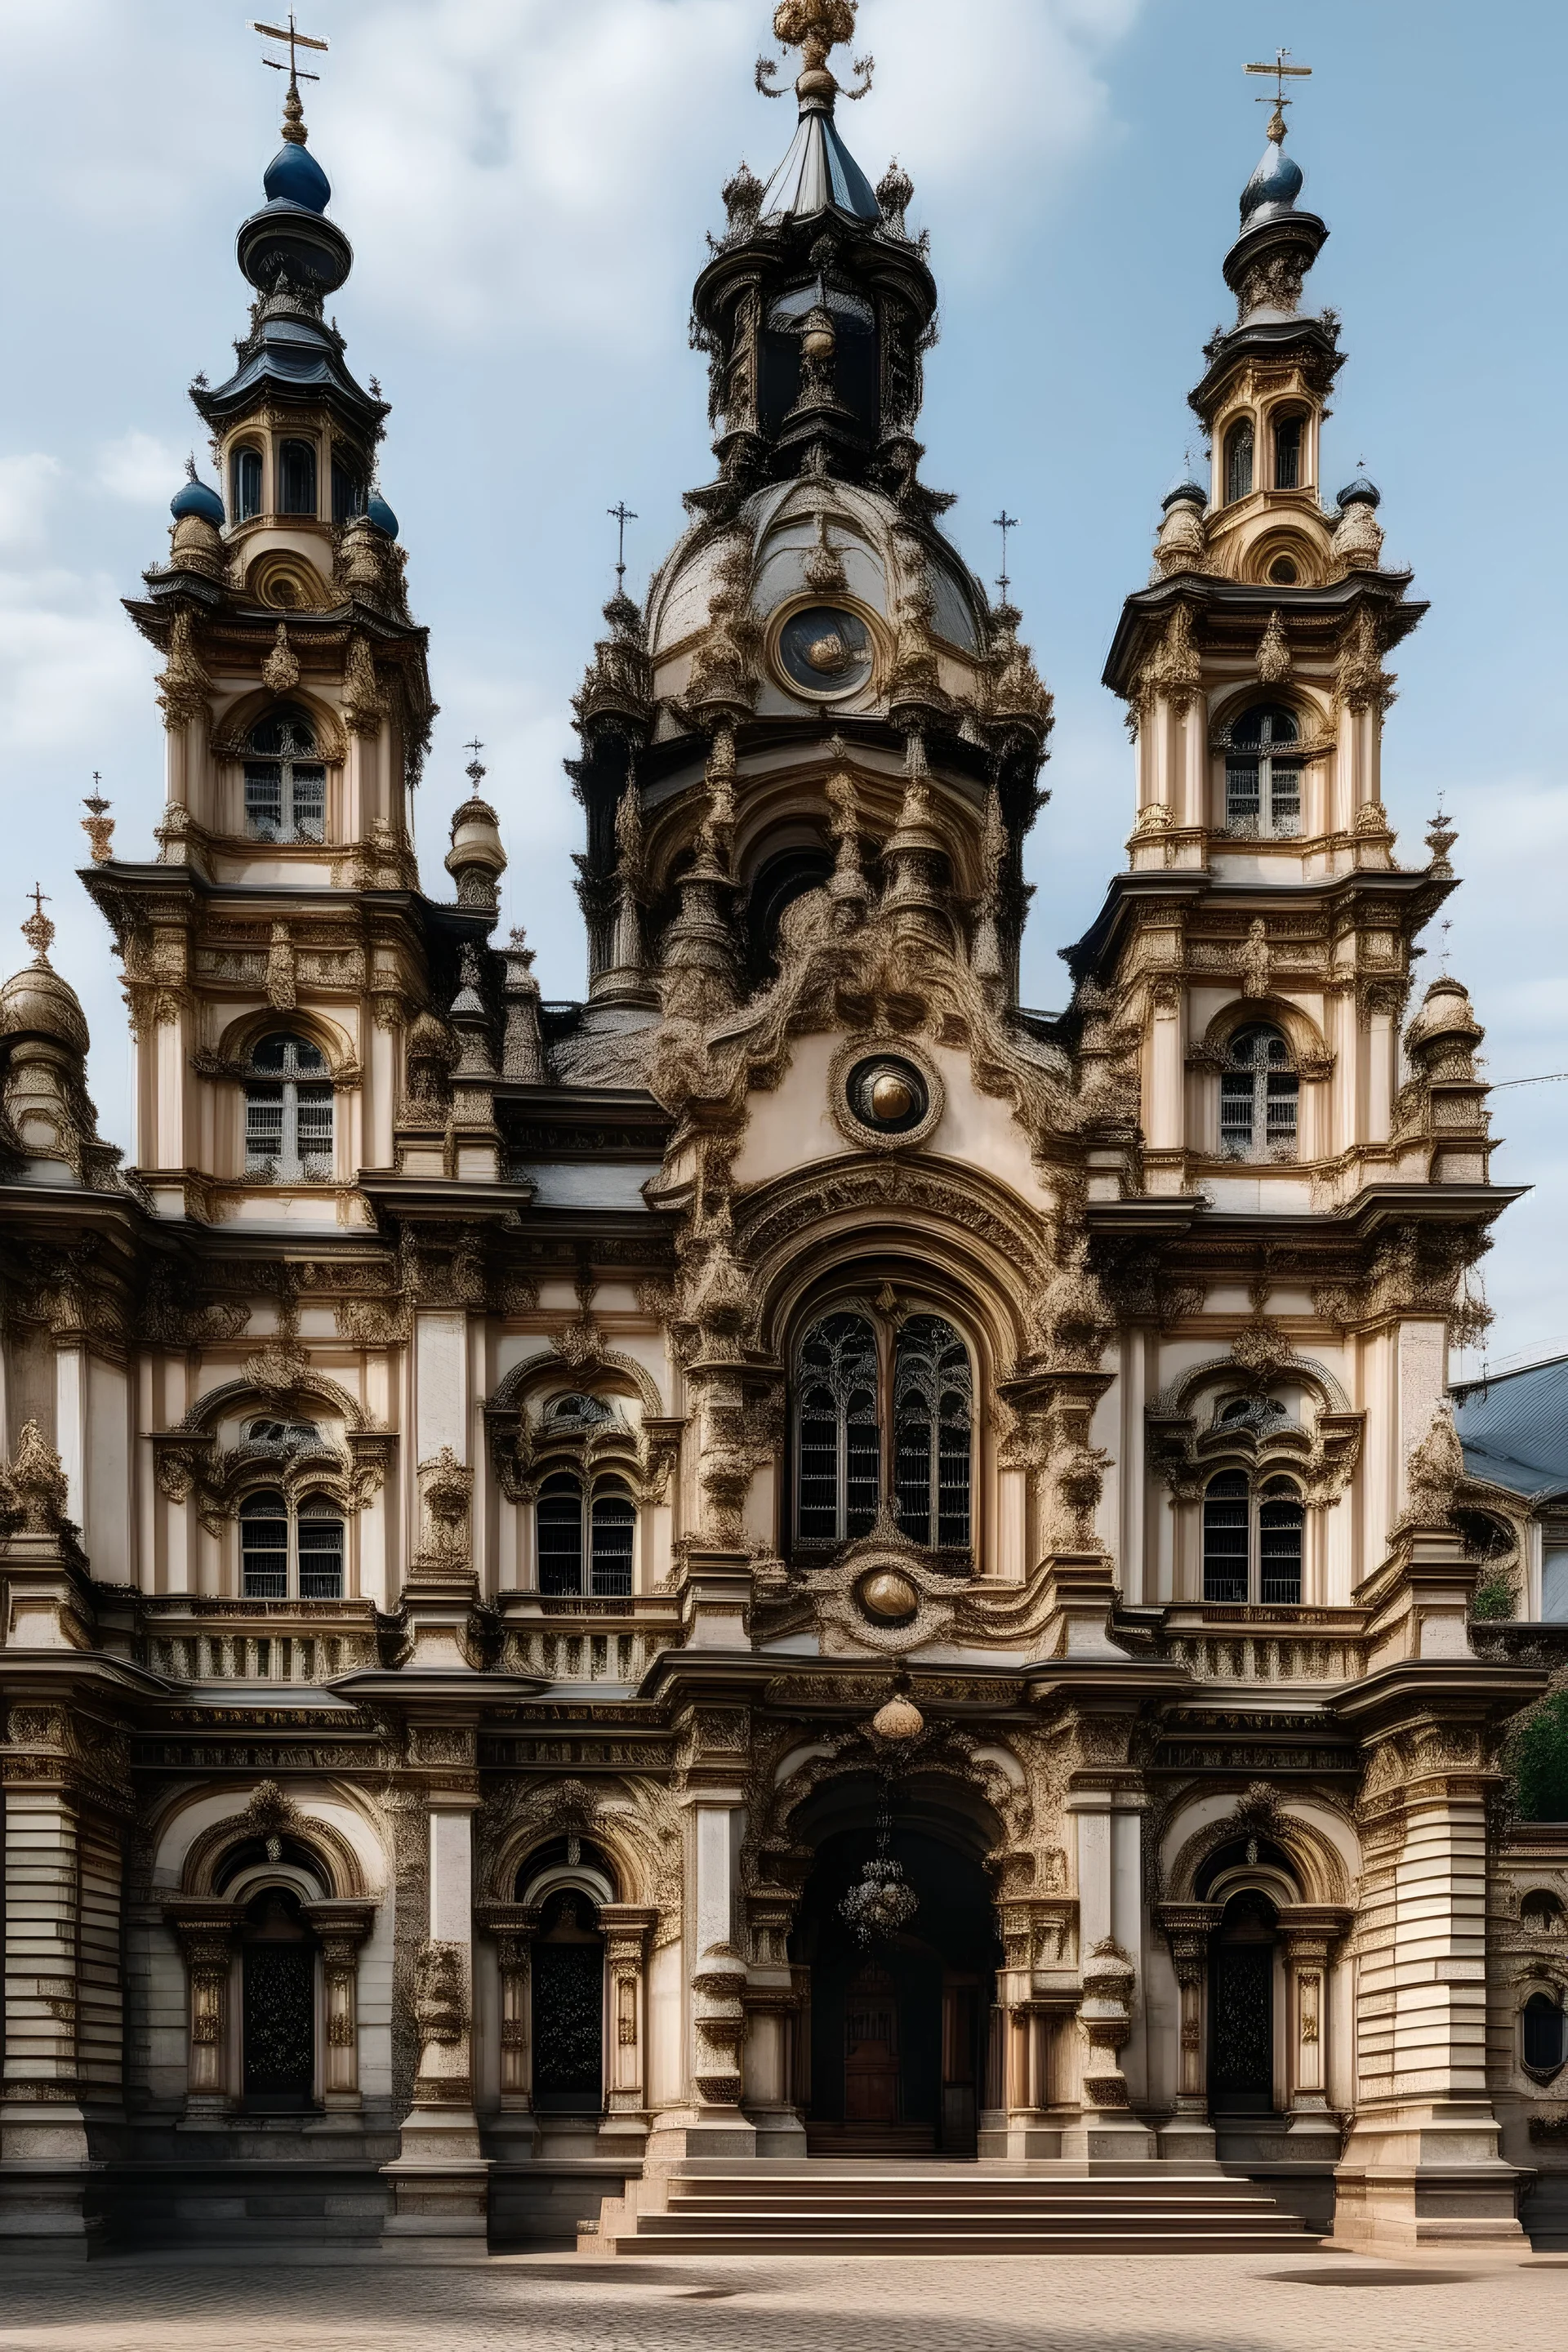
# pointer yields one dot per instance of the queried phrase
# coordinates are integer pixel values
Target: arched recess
(1306, 1853)
(302, 1841)
(244, 1034)
(234, 729)
(189, 1459)
(637, 1828)
(1191, 1434)
(526, 1445)
(1313, 712)
(1310, 1052)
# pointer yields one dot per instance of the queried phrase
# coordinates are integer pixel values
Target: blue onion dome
(1361, 492)
(196, 498)
(1277, 183)
(378, 512)
(294, 177)
(1183, 491)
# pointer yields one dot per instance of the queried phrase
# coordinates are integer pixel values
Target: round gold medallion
(889, 1595)
(892, 1096)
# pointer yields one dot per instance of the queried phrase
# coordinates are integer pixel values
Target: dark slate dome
(381, 514)
(1361, 492)
(1185, 489)
(294, 177)
(194, 497)
(1277, 183)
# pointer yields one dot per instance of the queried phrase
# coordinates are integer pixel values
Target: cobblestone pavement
(558, 2303)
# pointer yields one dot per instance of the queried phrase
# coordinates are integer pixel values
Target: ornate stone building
(795, 1558)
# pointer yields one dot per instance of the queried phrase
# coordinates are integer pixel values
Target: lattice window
(290, 1550)
(1238, 447)
(1289, 439)
(1260, 1097)
(932, 1415)
(244, 485)
(1252, 1541)
(285, 780)
(1263, 773)
(606, 1513)
(839, 1434)
(289, 1113)
(297, 478)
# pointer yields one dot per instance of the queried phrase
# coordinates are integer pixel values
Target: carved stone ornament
(881, 1596)
(885, 1094)
(446, 1492)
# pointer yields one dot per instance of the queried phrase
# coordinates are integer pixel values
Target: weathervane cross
(1280, 69)
(297, 41)
(620, 515)
(1004, 522)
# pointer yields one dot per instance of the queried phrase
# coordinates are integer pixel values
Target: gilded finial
(38, 930)
(475, 771)
(97, 824)
(294, 129)
(1279, 69)
(815, 28)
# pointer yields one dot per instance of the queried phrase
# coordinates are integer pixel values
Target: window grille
(1252, 1541)
(285, 780)
(1288, 443)
(297, 478)
(1263, 775)
(244, 485)
(1259, 1097)
(839, 1440)
(1239, 460)
(289, 1113)
(288, 1552)
(610, 1518)
(932, 1388)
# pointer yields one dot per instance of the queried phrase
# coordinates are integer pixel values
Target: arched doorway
(1241, 1960)
(896, 2037)
(277, 2031)
(569, 2007)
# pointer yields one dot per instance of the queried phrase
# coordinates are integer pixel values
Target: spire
(1278, 244)
(818, 175)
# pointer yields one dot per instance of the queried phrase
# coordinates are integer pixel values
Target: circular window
(888, 1093)
(1283, 571)
(826, 650)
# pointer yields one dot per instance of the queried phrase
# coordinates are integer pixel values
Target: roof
(1514, 1427)
(818, 173)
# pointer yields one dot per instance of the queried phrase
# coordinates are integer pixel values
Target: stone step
(781, 2238)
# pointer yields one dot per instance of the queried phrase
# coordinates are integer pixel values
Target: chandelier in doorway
(883, 1901)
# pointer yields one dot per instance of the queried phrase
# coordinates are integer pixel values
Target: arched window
(285, 781)
(244, 485)
(1263, 773)
(290, 1552)
(1259, 1097)
(297, 478)
(1542, 1913)
(1289, 440)
(289, 1113)
(1544, 2035)
(839, 1438)
(1238, 460)
(609, 1522)
(933, 1387)
(348, 489)
(272, 1436)
(278, 2033)
(1252, 1541)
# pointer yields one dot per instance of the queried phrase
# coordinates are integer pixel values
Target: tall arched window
(297, 478)
(1289, 440)
(568, 1972)
(277, 2029)
(289, 1113)
(840, 1432)
(1546, 2035)
(244, 485)
(285, 780)
(849, 1451)
(932, 1392)
(1238, 460)
(1259, 1097)
(290, 1552)
(607, 1516)
(348, 487)
(1252, 1541)
(1263, 773)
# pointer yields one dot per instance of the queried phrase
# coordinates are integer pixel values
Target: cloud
(27, 485)
(141, 467)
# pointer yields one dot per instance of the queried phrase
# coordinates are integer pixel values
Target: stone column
(514, 1950)
(439, 2175)
(205, 1933)
(626, 1930)
(1106, 1803)
(1421, 2164)
(1188, 2138)
(773, 2002)
(1309, 1933)
(342, 1928)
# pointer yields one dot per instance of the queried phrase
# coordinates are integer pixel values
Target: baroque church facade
(794, 1559)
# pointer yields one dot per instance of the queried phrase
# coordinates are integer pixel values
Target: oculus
(825, 651)
(888, 1093)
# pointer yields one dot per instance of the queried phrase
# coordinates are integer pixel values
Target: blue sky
(527, 189)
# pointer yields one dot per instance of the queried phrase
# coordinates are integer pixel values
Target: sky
(527, 187)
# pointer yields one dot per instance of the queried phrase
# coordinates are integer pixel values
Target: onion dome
(35, 1001)
(291, 238)
(378, 512)
(1361, 492)
(1274, 186)
(1184, 491)
(198, 500)
(294, 177)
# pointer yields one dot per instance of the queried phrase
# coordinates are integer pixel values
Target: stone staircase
(849, 2208)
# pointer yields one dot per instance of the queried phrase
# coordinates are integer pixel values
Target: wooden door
(871, 2048)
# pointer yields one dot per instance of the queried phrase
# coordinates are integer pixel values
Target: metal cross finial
(1445, 927)
(38, 930)
(621, 514)
(297, 41)
(1004, 522)
(475, 770)
(1280, 69)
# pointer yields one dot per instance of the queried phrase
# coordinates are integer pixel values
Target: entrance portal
(897, 2027)
(1241, 2072)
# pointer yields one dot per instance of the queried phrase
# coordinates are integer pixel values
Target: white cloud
(141, 467)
